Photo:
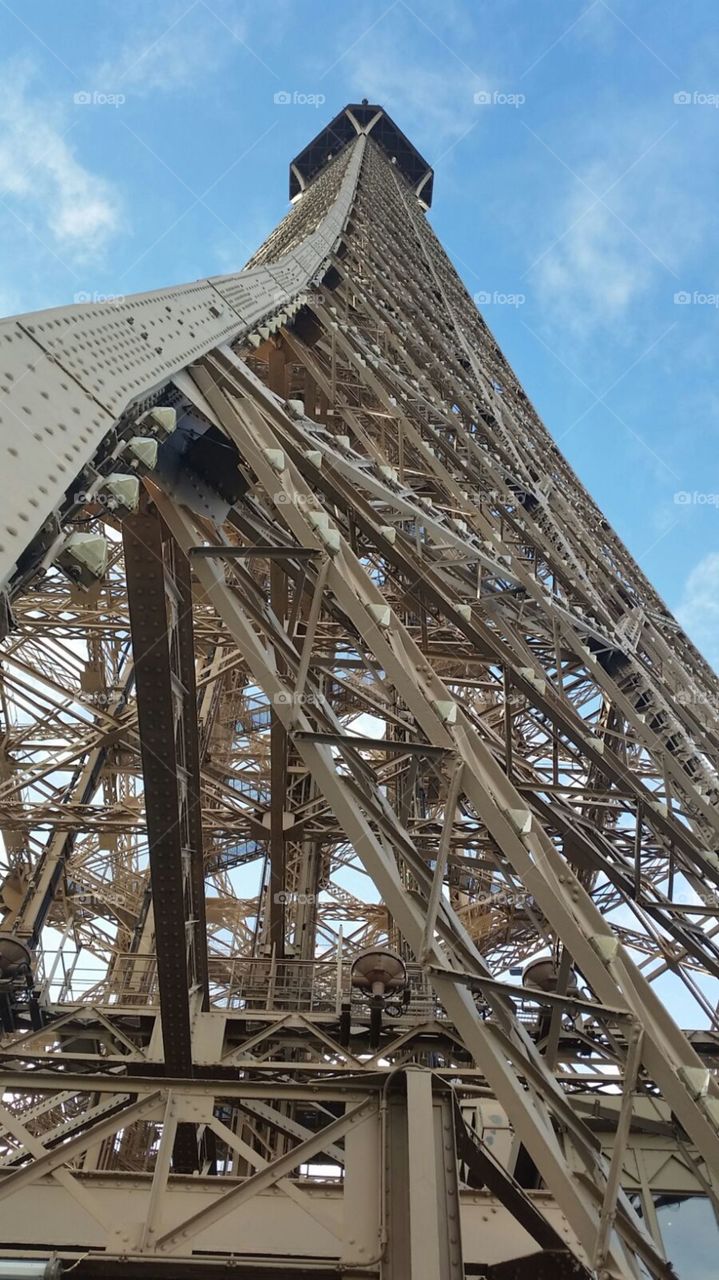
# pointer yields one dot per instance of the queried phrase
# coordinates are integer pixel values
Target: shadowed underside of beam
(320, 662)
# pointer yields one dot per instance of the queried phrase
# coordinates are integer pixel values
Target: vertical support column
(363, 1210)
(191, 745)
(277, 367)
(159, 597)
(277, 381)
(278, 784)
(426, 1225)
(422, 1189)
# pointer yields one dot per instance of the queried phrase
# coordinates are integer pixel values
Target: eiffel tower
(358, 791)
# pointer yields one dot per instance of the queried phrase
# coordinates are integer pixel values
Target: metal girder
(32, 911)
(58, 356)
(433, 1215)
(261, 448)
(535, 1132)
(398, 686)
(49, 1161)
(160, 603)
(405, 1220)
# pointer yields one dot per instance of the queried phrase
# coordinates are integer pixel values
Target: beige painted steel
(468, 619)
(145, 1215)
(68, 373)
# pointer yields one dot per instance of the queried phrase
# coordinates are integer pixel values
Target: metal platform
(358, 791)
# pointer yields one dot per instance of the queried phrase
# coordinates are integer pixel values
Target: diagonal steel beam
(267, 1177)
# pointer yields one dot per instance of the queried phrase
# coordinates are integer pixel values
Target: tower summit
(362, 119)
(359, 792)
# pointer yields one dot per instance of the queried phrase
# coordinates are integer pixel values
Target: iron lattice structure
(357, 664)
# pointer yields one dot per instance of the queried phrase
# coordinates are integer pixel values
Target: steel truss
(366, 666)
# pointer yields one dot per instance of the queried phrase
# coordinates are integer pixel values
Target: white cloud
(167, 63)
(41, 178)
(181, 42)
(439, 103)
(698, 610)
(602, 256)
(596, 271)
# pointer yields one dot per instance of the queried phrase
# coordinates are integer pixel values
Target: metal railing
(236, 983)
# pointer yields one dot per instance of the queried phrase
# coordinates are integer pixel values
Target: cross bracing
(357, 664)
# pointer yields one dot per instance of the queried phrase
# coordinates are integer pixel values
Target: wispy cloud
(163, 54)
(179, 42)
(620, 226)
(435, 102)
(594, 273)
(698, 610)
(43, 182)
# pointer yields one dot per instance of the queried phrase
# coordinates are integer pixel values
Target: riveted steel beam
(160, 602)
(365, 530)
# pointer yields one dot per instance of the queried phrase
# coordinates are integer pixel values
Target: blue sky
(582, 184)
